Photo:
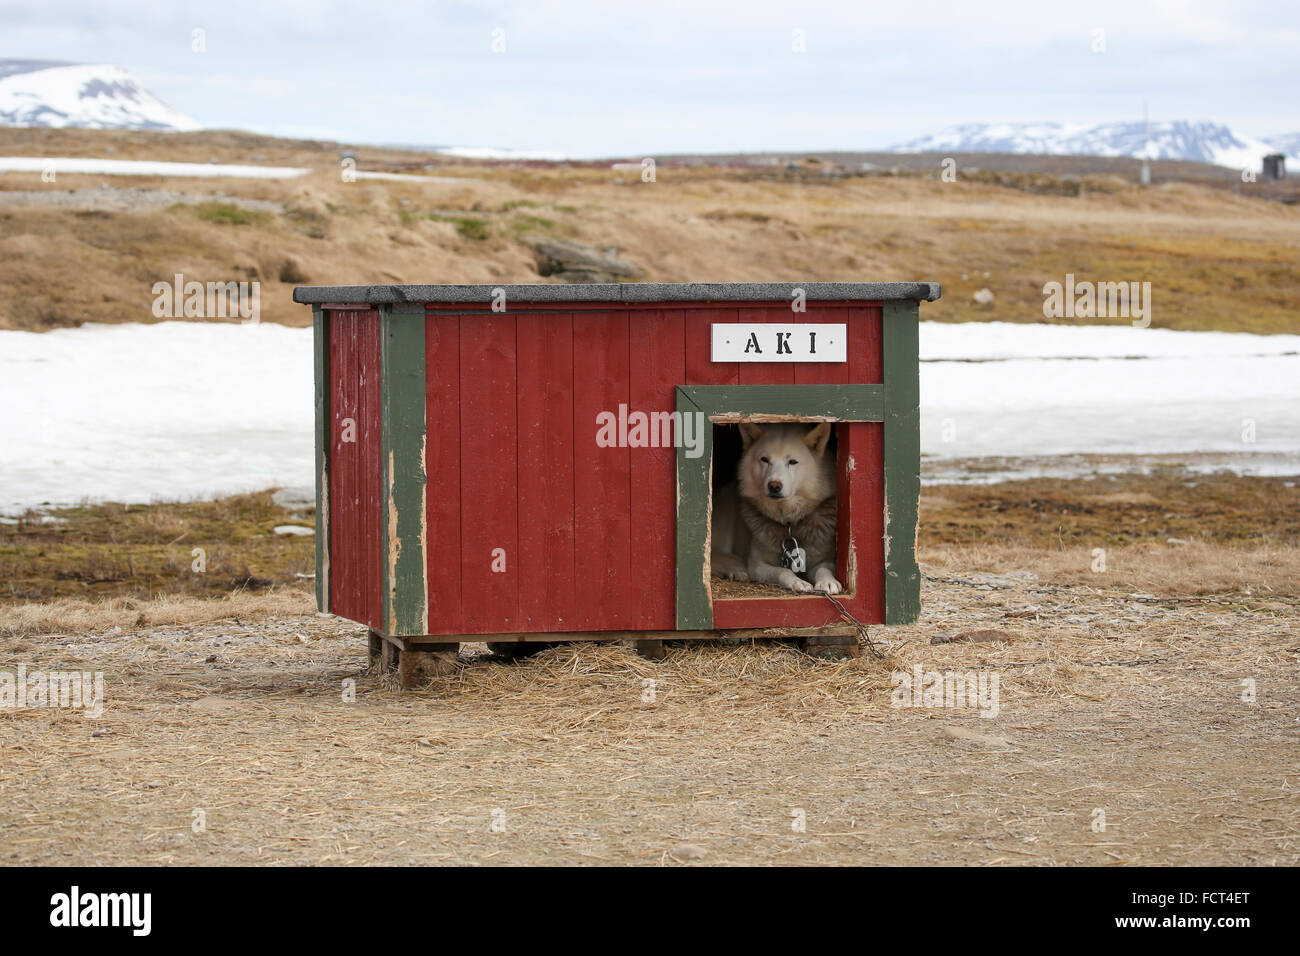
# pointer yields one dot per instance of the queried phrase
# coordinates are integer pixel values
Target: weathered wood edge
(403, 530)
(621, 292)
(902, 451)
(694, 477)
(321, 356)
(834, 632)
(838, 403)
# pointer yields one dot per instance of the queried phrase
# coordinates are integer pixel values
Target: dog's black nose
(774, 487)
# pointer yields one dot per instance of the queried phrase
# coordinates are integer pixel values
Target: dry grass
(73, 616)
(1119, 691)
(1104, 702)
(140, 551)
(1253, 577)
(1193, 242)
(1115, 511)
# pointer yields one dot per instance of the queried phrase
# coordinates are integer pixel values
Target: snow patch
(186, 409)
(134, 167)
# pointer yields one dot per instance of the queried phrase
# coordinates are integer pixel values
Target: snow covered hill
(1179, 139)
(89, 96)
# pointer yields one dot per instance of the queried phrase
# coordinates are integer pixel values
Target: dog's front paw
(739, 575)
(825, 581)
(795, 583)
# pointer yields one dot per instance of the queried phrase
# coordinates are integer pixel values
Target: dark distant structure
(1275, 166)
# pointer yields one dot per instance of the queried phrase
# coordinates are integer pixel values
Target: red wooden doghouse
(463, 492)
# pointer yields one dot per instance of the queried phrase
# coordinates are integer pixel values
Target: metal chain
(862, 628)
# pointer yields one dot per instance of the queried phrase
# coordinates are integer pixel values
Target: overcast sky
(601, 77)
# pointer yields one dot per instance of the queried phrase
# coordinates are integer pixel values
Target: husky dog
(784, 487)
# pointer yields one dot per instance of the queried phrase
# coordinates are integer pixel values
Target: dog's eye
(793, 461)
(764, 460)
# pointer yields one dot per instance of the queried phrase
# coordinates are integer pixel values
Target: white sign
(779, 342)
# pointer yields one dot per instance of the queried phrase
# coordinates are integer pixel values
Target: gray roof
(620, 292)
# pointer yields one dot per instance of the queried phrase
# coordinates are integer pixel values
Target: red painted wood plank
(488, 476)
(657, 342)
(356, 500)
(774, 612)
(866, 354)
(602, 476)
(344, 494)
(442, 464)
(544, 404)
(700, 369)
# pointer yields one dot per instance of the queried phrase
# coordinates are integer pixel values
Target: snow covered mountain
(89, 96)
(1179, 139)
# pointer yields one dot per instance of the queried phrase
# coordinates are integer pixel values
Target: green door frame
(737, 403)
(894, 403)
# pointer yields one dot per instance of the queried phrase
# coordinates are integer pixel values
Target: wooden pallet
(414, 658)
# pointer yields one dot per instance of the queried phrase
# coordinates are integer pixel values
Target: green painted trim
(694, 500)
(841, 403)
(902, 441)
(402, 532)
(321, 352)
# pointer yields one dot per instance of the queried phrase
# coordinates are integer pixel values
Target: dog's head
(785, 463)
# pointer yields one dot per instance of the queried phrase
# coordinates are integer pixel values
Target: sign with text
(779, 342)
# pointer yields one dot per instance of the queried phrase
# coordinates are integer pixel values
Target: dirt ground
(231, 742)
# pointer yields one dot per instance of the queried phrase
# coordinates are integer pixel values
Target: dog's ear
(750, 433)
(817, 438)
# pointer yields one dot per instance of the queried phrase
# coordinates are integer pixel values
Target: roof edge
(618, 292)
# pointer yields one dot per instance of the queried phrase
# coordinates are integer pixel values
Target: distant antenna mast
(1146, 146)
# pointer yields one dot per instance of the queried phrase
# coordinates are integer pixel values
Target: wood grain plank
(657, 341)
(602, 476)
(355, 482)
(488, 475)
(442, 463)
(546, 467)
(700, 368)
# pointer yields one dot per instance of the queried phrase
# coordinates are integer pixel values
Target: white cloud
(595, 76)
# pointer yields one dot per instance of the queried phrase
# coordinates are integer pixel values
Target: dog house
(533, 463)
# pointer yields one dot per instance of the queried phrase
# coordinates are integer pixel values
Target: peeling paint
(423, 536)
(394, 548)
(886, 526)
(323, 535)
(707, 564)
(730, 418)
(851, 569)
